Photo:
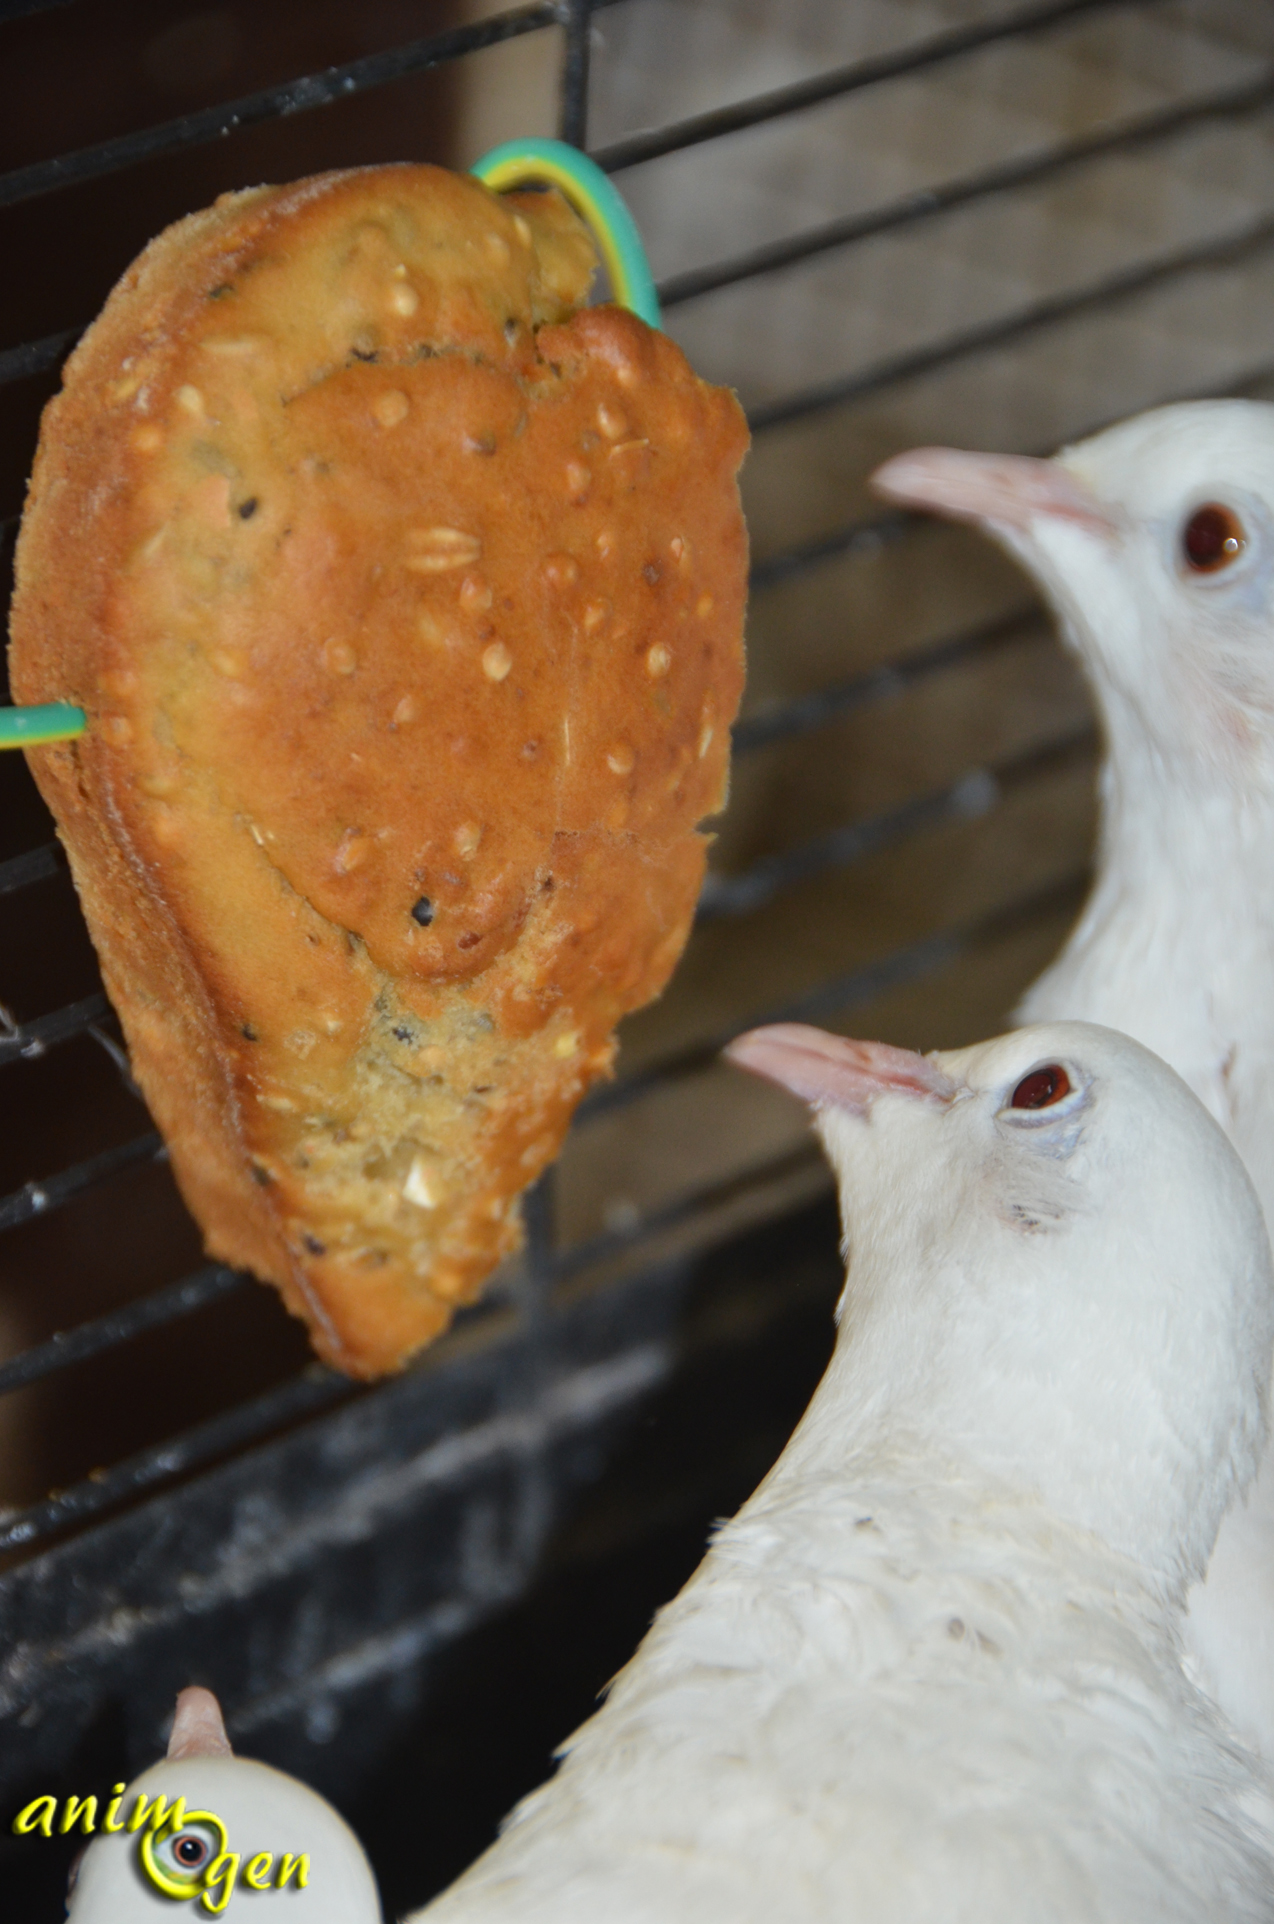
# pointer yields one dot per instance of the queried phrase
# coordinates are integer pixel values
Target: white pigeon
(242, 1820)
(1154, 542)
(930, 1673)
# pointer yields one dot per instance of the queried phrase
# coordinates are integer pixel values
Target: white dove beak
(1006, 490)
(831, 1071)
(198, 1729)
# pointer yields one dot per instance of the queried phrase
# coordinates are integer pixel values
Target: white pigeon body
(1176, 943)
(931, 1670)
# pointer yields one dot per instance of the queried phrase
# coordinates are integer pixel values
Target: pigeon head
(1154, 541)
(243, 1827)
(1058, 1272)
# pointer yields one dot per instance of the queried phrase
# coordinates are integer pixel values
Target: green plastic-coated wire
(514, 164)
(593, 197)
(54, 721)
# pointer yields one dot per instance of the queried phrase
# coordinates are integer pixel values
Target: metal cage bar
(936, 51)
(271, 103)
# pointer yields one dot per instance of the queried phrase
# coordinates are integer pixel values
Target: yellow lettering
(288, 1864)
(83, 1808)
(153, 1815)
(223, 1870)
(257, 1870)
(37, 1815)
(112, 1809)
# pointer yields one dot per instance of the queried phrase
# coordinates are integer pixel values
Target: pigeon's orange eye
(1042, 1088)
(1212, 538)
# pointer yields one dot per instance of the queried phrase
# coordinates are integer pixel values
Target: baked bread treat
(405, 604)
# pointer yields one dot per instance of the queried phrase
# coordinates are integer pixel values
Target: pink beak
(1006, 490)
(198, 1730)
(833, 1072)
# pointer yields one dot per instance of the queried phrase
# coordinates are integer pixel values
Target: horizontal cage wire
(551, 1293)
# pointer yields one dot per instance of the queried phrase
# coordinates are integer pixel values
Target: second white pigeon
(218, 1832)
(1154, 543)
(931, 1670)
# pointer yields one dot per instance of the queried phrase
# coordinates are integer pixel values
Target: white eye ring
(164, 1867)
(1048, 1090)
(1230, 553)
(188, 1851)
(1213, 539)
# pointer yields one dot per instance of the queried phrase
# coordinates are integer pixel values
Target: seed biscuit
(404, 598)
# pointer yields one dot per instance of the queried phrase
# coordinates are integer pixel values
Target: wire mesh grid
(547, 1289)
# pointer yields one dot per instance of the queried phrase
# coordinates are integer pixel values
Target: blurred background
(883, 222)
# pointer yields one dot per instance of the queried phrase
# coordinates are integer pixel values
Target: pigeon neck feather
(911, 1448)
(1176, 942)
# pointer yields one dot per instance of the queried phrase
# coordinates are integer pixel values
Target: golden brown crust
(405, 604)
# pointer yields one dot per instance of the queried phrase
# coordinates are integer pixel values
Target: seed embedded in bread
(375, 562)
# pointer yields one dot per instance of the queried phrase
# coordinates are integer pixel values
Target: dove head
(1154, 541)
(1058, 1274)
(239, 1823)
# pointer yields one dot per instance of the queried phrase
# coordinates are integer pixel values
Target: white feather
(932, 1669)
